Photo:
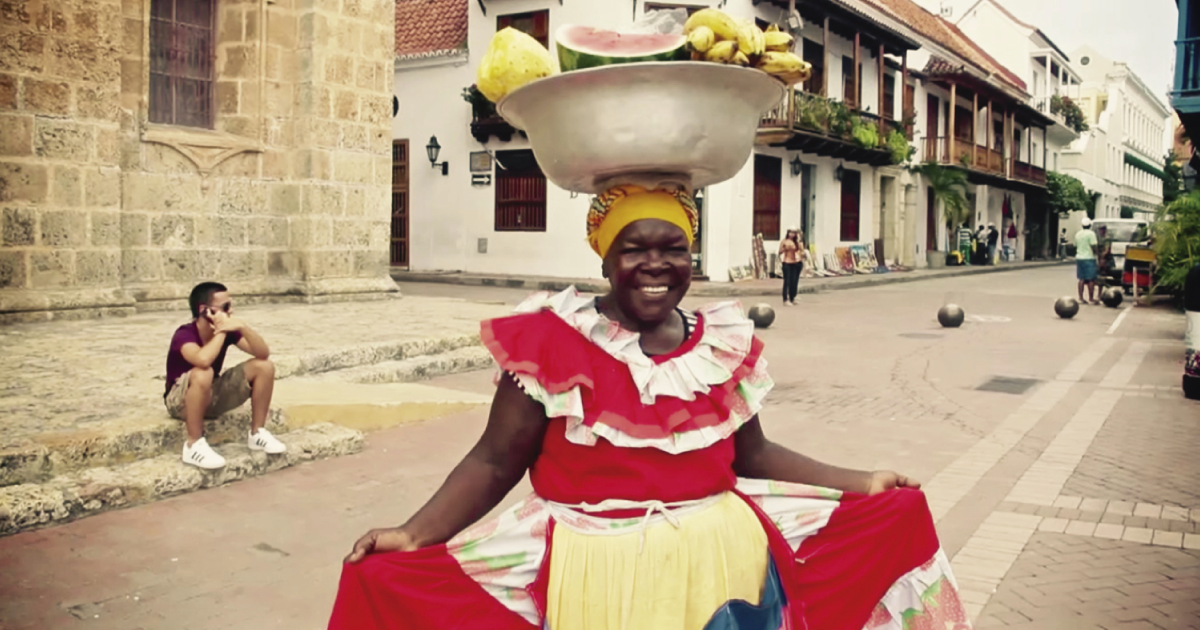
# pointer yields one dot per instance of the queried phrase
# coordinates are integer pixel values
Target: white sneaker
(264, 441)
(201, 455)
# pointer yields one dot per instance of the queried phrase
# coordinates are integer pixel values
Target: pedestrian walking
(993, 239)
(791, 254)
(1086, 266)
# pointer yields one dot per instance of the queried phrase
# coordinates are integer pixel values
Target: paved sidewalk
(703, 288)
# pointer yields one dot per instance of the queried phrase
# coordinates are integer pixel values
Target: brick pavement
(1061, 581)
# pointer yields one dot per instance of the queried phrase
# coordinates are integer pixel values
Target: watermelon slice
(582, 47)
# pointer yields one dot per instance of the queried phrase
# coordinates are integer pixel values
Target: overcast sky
(1140, 33)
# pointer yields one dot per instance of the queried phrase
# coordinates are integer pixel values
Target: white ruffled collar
(726, 340)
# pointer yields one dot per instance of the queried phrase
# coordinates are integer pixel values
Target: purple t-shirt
(177, 365)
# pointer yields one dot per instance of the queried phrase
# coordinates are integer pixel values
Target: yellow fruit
(778, 63)
(778, 42)
(701, 39)
(751, 40)
(772, 28)
(722, 25)
(740, 59)
(794, 78)
(513, 59)
(722, 51)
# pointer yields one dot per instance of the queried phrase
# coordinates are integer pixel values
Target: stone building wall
(285, 198)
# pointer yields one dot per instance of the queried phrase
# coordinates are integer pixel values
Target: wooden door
(931, 222)
(931, 128)
(851, 183)
(399, 257)
(768, 183)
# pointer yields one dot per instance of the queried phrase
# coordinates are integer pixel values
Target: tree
(1177, 240)
(1173, 181)
(1065, 194)
(949, 186)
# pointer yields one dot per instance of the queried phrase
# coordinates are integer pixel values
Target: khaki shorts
(230, 391)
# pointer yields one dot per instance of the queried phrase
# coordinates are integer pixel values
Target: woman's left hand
(884, 480)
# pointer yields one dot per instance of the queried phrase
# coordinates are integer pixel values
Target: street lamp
(839, 173)
(432, 149)
(797, 166)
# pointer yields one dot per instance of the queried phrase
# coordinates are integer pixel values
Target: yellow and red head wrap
(619, 206)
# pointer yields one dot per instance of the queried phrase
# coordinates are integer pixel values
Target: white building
(1131, 126)
(507, 219)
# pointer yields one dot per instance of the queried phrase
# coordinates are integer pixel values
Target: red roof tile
(949, 37)
(428, 28)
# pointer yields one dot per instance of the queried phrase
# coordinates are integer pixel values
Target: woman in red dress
(658, 502)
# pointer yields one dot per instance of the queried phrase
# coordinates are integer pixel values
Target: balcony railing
(1187, 62)
(825, 126)
(963, 152)
(1042, 104)
(1029, 173)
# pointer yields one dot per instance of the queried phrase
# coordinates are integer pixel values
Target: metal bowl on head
(681, 122)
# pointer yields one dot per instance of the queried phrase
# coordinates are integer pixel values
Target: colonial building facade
(482, 205)
(151, 144)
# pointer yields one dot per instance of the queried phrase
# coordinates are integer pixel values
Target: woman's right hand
(382, 541)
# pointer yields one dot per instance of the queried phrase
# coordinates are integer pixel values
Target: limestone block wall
(285, 197)
(60, 200)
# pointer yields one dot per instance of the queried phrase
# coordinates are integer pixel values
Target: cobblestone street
(1057, 456)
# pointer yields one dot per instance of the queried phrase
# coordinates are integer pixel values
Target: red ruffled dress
(636, 442)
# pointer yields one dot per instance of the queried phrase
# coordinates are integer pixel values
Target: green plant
(966, 159)
(481, 107)
(948, 186)
(865, 134)
(1065, 194)
(898, 144)
(814, 111)
(1070, 111)
(841, 119)
(1177, 240)
(1173, 180)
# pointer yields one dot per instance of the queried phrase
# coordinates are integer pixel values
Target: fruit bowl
(686, 122)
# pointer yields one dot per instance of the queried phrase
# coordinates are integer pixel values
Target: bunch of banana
(713, 35)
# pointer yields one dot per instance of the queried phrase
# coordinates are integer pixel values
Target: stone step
(344, 358)
(91, 491)
(368, 407)
(417, 368)
(147, 431)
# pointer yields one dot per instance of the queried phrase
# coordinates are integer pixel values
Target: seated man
(196, 387)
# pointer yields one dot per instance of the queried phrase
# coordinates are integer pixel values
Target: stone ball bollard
(951, 316)
(1112, 297)
(1066, 307)
(762, 315)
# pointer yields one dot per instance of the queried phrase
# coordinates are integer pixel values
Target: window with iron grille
(182, 49)
(520, 193)
(535, 24)
(768, 176)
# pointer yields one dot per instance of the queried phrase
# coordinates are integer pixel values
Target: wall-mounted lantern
(432, 149)
(797, 166)
(839, 173)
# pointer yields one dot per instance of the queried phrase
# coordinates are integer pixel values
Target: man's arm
(253, 344)
(203, 357)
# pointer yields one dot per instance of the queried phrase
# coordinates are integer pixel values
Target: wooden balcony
(965, 153)
(1029, 173)
(817, 125)
(483, 128)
